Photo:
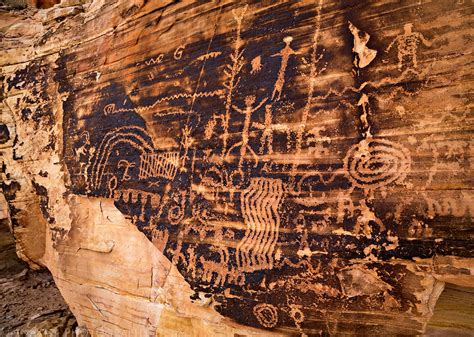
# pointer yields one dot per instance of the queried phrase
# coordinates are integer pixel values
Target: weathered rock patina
(242, 168)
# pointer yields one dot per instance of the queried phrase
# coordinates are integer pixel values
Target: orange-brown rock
(241, 169)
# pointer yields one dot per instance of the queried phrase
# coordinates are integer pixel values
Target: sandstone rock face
(230, 168)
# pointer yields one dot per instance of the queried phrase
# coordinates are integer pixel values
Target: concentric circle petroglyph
(266, 314)
(374, 163)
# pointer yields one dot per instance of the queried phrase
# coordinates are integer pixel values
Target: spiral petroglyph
(374, 163)
(266, 314)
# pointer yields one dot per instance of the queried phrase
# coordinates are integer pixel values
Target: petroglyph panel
(291, 159)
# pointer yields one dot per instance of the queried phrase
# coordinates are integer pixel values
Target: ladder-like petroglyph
(163, 165)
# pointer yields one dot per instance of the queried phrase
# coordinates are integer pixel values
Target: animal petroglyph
(260, 203)
(374, 163)
(272, 150)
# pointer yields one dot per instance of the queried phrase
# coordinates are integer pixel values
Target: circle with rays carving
(374, 163)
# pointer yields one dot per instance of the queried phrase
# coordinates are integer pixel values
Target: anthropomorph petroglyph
(126, 165)
(407, 47)
(247, 112)
(262, 180)
(285, 55)
(266, 139)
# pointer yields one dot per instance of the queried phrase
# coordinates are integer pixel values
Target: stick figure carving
(247, 112)
(285, 55)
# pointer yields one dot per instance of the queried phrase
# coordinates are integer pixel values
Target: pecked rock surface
(230, 168)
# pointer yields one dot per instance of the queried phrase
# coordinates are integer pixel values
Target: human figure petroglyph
(407, 47)
(247, 112)
(285, 55)
(186, 142)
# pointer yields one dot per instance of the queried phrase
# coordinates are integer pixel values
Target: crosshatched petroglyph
(262, 165)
